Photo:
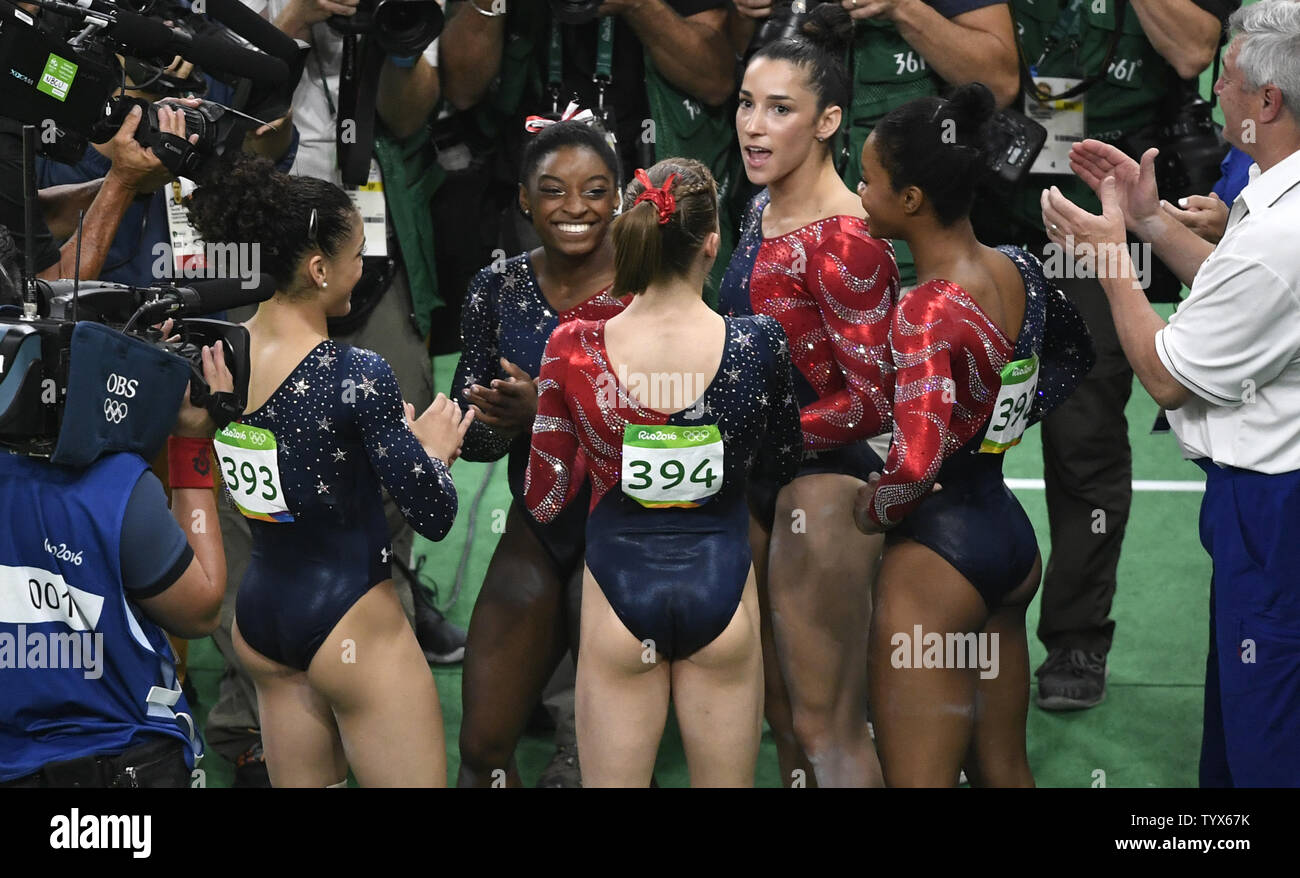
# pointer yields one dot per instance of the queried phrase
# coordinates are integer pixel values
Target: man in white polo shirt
(1227, 368)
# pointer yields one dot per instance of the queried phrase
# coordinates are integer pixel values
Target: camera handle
(358, 92)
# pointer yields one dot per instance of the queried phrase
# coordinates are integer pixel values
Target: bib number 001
(251, 472)
(671, 466)
(1011, 410)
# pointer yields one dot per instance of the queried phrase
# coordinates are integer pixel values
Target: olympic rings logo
(695, 435)
(114, 411)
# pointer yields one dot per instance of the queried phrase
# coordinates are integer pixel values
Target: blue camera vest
(83, 671)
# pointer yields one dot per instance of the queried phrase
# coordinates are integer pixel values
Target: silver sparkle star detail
(321, 487)
(324, 361)
(367, 386)
(385, 553)
(340, 454)
(417, 468)
(733, 375)
(324, 424)
(300, 386)
(269, 412)
(381, 451)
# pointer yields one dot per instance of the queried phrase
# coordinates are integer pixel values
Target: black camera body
(40, 358)
(399, 27)
(217, 129)
(1014, 142)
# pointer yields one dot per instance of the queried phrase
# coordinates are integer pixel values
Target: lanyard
(1067, 24)
(604, 74)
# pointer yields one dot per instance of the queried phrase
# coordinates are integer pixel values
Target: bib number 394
(1011, 411)
(251, 473)
(666, 465)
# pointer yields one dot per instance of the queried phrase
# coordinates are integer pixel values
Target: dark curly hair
(939, 146)
(246, 200)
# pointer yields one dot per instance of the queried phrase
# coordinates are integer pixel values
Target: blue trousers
(1250, 525)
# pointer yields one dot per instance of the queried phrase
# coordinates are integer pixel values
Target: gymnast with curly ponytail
(326, 430)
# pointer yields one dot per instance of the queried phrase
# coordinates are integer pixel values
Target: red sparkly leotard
(673, 575)
(949, 358)
(831, 286)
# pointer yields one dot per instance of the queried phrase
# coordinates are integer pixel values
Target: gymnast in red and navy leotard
(525, 618)
(669, 601)
(806, 257)
(983, 348)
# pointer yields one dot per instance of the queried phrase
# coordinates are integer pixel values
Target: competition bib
(1064, 121)
(666, 465)
(251, 473)
(1011, 410)
(369, 200)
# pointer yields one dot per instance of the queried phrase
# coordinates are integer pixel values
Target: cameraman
(1142, 69)
(133, 171)
(382, 320)
(904, 49)
(97, 569)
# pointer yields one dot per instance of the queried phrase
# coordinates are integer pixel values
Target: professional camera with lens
(399, 27)
(86, 374)
(64, 72)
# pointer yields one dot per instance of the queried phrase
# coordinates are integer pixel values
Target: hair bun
(828, 26)
(972, 105)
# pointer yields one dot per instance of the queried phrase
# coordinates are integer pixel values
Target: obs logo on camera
(115, 411)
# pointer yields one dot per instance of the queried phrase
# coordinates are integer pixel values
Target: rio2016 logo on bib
(1011, 409)
(666, 465)
(251, 472)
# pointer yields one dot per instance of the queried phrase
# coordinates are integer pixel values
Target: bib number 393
(666, 465)
(1011, 411)
(251, 473)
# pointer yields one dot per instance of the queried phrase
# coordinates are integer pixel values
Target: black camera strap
(1042, 95)
(355, 121)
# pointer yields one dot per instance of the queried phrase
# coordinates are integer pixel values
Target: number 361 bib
(665, 465)
(1011, 411)
(251, 473)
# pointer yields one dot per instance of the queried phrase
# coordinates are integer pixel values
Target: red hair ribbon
(535, 124)
(661, 197)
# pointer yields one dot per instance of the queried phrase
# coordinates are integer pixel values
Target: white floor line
(1138, 485)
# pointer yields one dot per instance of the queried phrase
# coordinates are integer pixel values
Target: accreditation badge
(1064, 121)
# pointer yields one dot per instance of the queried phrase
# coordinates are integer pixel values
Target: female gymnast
(984, 347)
(526, 617)
(341, 680)
(806, 258)
(669, 603)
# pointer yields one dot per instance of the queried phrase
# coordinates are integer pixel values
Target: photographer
(903, 49)
(133, 171)
(396, 284)
(1127, 69)
(1227, 367)
(98, 570)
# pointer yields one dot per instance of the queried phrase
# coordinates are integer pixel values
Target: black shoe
(443, 643)
(250, 769)
(563, 772)
(1071, 679)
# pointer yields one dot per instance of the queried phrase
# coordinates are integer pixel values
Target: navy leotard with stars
(506, 315)
(341, 434)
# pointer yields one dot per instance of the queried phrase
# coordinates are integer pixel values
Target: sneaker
(250, 769)
(443, 643)
(1071, 679)
(563, 771)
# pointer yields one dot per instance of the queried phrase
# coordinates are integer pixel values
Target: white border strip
(1138, 485)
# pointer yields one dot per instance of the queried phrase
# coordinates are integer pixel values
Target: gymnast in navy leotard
(317, 620)
(983, 348)
(525, 617)
(807, 258)
(667, 452)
